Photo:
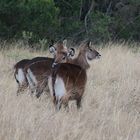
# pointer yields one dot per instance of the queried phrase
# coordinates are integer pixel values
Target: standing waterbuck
(20, 72)
(70, 78)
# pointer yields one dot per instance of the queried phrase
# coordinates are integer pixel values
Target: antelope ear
(90, 44)
(71, 52)
(52, 49)
(65, 43)
(85, 43)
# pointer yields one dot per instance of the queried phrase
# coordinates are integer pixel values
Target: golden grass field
(110, 106)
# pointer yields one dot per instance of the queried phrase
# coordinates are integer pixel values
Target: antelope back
(72, 75)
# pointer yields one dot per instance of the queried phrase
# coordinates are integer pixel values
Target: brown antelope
(70, 79)
(19, 68)
(36, 73)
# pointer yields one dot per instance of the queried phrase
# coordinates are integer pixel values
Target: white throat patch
(88, 61)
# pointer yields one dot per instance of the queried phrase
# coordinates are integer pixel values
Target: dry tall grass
(110, 107)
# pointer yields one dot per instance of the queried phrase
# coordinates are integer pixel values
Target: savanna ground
(110, 107)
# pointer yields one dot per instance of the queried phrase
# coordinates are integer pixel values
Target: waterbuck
(37, 73)
(19, 67)
(68, 80)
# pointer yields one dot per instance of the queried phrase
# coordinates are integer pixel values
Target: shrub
(99, 28)
(37, 16)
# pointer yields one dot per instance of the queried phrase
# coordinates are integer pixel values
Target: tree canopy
(54, 19)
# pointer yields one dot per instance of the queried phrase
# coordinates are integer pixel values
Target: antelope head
(61, 52)
(90, 52)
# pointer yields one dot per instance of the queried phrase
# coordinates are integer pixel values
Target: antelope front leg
(58, 104)
(39, 91)
(65, 100)
(66, 106)
(78, 102)
(18, 91)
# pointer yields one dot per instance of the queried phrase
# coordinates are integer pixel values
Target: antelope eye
(64, 54)
(64, 57)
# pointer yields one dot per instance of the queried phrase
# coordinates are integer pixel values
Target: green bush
(37, 16)
(130, 30)
(99, 28)
(44, 20)
(134, 2)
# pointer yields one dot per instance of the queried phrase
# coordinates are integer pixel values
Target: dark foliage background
(44, 20)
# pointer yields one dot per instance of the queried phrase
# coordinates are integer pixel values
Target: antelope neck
(82, 60)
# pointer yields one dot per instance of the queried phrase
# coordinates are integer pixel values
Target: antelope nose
(54, 64)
